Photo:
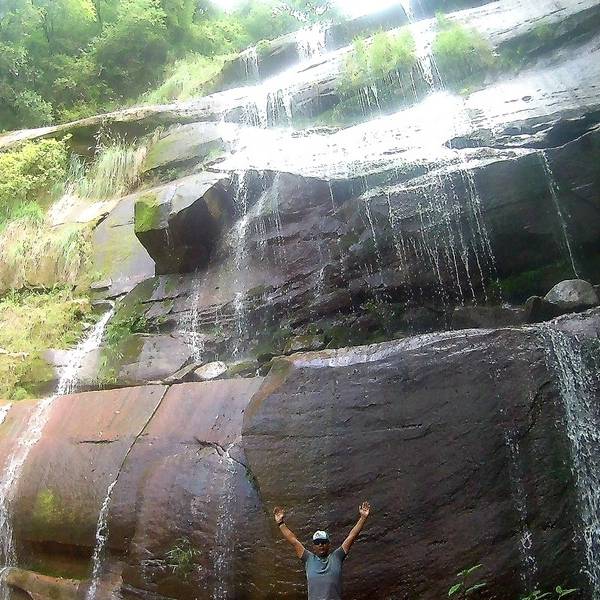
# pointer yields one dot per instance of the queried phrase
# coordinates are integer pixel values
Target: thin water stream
(578, 386)
(32, 433)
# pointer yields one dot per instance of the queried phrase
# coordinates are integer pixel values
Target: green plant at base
(558, 593)
(465, 586)
(30, 323)
(462, 55)
(181, 557)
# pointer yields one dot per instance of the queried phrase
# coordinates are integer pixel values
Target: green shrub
(29, 175)
(186, 78)
(462, 55)
(371, 63)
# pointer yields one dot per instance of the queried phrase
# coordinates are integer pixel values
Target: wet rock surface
(450, 436)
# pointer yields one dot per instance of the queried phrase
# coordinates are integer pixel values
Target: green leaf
(562, 593)
(475, 587)
(454, 589)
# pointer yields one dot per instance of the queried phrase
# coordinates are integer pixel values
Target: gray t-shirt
(324, 575)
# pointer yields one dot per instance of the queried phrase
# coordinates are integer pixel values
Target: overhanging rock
(179, 223)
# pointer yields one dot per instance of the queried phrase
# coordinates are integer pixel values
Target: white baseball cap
(320, 535)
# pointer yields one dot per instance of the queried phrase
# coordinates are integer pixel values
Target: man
(323, 567)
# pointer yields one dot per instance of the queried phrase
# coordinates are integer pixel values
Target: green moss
(148, 213)
(46, 509)
(538, 282)
(462, 55)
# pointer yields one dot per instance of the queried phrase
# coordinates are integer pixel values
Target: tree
(132, 51)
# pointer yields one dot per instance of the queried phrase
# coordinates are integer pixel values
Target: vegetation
(29, 178)
(33, 254)
(116, 170)
(64, 59)
(30, 322)
(462, 55)
(186, 78)
(466, 583)
(377, 73)
(181, 557)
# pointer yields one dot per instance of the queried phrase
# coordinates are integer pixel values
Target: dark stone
(538, 310)
(180, 223)
(423, 429)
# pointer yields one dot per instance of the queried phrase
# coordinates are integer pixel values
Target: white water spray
(578, 390)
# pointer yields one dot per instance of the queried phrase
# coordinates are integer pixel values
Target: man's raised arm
(364, 509)
(279, 515)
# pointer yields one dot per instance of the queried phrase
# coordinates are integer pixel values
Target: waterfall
(250, 61)
(528, 562)
(554, 193)
(311, 41)
(31, 435)
(4, 411)
(577, 383)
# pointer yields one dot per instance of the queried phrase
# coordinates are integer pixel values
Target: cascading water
(578, 386)
(311, 41)
(554, 194)
(223, 548)
(249, 59)
(528, 562)
(32, 434)
(4, 411)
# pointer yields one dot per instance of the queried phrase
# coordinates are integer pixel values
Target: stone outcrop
(180, 223)
(457, 439)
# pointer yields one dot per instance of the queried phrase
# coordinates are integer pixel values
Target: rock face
(457, 439)
(179, 223)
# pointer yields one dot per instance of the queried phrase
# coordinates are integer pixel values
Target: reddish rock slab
(67, 473)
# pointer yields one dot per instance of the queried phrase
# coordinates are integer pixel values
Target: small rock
(101, 306)
(538, 309)
(243, 369)
(101, 285)
(210, 371)
(573, 295)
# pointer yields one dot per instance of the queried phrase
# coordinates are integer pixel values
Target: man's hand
(279, 515)
(364, 509)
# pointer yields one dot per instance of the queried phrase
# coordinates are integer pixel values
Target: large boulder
(572, 295)
(117, 254)
(180, 223)
(183, 144)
